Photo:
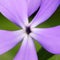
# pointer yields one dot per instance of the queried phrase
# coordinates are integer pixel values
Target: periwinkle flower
(18, 12)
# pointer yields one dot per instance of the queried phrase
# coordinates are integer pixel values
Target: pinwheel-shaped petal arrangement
(18, 11)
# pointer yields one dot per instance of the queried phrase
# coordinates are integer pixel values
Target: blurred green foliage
(5, 24)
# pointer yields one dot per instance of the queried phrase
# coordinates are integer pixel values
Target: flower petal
(49, 38)
(27, 51)
(33, 6)
(47, 8)
(14, 10)
(8, 39)
(22, 8)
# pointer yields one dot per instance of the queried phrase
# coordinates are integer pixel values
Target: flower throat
(28, 30)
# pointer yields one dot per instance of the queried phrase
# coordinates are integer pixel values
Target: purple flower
(18, 12)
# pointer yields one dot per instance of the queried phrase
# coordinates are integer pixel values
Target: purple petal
(27, 51)
(33, 6)
(47, 8)
(15, 11)
(8, 39)
(21, 7)
(49, 38)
